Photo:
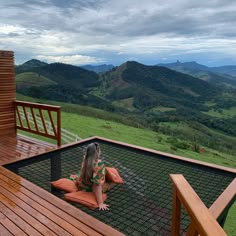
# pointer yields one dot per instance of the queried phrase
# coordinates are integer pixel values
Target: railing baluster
(43, 122)
(34, 118)
(52, 123)
(59, 127)
(26, 117)
(19, 116)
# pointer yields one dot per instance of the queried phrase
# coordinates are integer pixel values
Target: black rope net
(143, 205)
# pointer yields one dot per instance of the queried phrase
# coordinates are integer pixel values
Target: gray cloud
(114, 30)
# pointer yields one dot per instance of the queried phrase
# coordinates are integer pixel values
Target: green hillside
(173, 138)
(29, 65)
(151, 86)
(69, 83)
(148, 86)
(27, 80)
(63, 74)
(86, 126)
(223, 113)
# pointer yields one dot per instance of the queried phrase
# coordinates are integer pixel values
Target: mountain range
(155, 97)
(130, 86)
(223, 75)
(148, 87)
(152, 93)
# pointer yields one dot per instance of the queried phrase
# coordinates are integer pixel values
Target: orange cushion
(85, 198)
(66, 185)
(112, 175)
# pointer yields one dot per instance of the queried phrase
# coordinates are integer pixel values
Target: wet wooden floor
(18, 147)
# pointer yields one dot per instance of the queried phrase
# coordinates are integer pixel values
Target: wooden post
(55, 162)
(7, 93)
(191, 230)
(175, 229)
(59, 127)
(55, 167)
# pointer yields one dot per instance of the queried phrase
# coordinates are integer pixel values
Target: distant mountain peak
(186, 65)
(34, 63)
(192, 63)
(134, 63)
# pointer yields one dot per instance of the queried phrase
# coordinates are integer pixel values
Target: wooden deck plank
(16, 218)
(50, 207)
(25, 216)
(63, 206)
(4, 231)
(14, 229)
(38, 212)
(18, 147)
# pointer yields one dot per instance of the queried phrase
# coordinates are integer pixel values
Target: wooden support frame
(222, 203)
(34, 128)
(202, 219)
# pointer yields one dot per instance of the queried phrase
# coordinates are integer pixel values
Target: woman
(92, 177)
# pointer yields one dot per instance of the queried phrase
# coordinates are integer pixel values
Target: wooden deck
(26, 209)
(18, 147)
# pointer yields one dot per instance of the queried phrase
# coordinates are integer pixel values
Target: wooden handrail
(38, 105)
(200, 216)
(218, 207)
(40, 109)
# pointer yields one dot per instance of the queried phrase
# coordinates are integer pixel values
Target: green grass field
(85, 126)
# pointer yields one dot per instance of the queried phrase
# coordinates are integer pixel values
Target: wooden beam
(218, 207)
(203, 220)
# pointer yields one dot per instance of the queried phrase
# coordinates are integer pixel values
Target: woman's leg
(107, 186)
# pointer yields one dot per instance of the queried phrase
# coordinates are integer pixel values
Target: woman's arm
(97, 189)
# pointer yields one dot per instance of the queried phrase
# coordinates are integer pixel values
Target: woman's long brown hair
(90, 156)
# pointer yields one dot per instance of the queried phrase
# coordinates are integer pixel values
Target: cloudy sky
(112, 32)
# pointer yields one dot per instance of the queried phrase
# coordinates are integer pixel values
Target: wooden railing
(203, 221)
(66, 136)
(39, 112)
(220, 207)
